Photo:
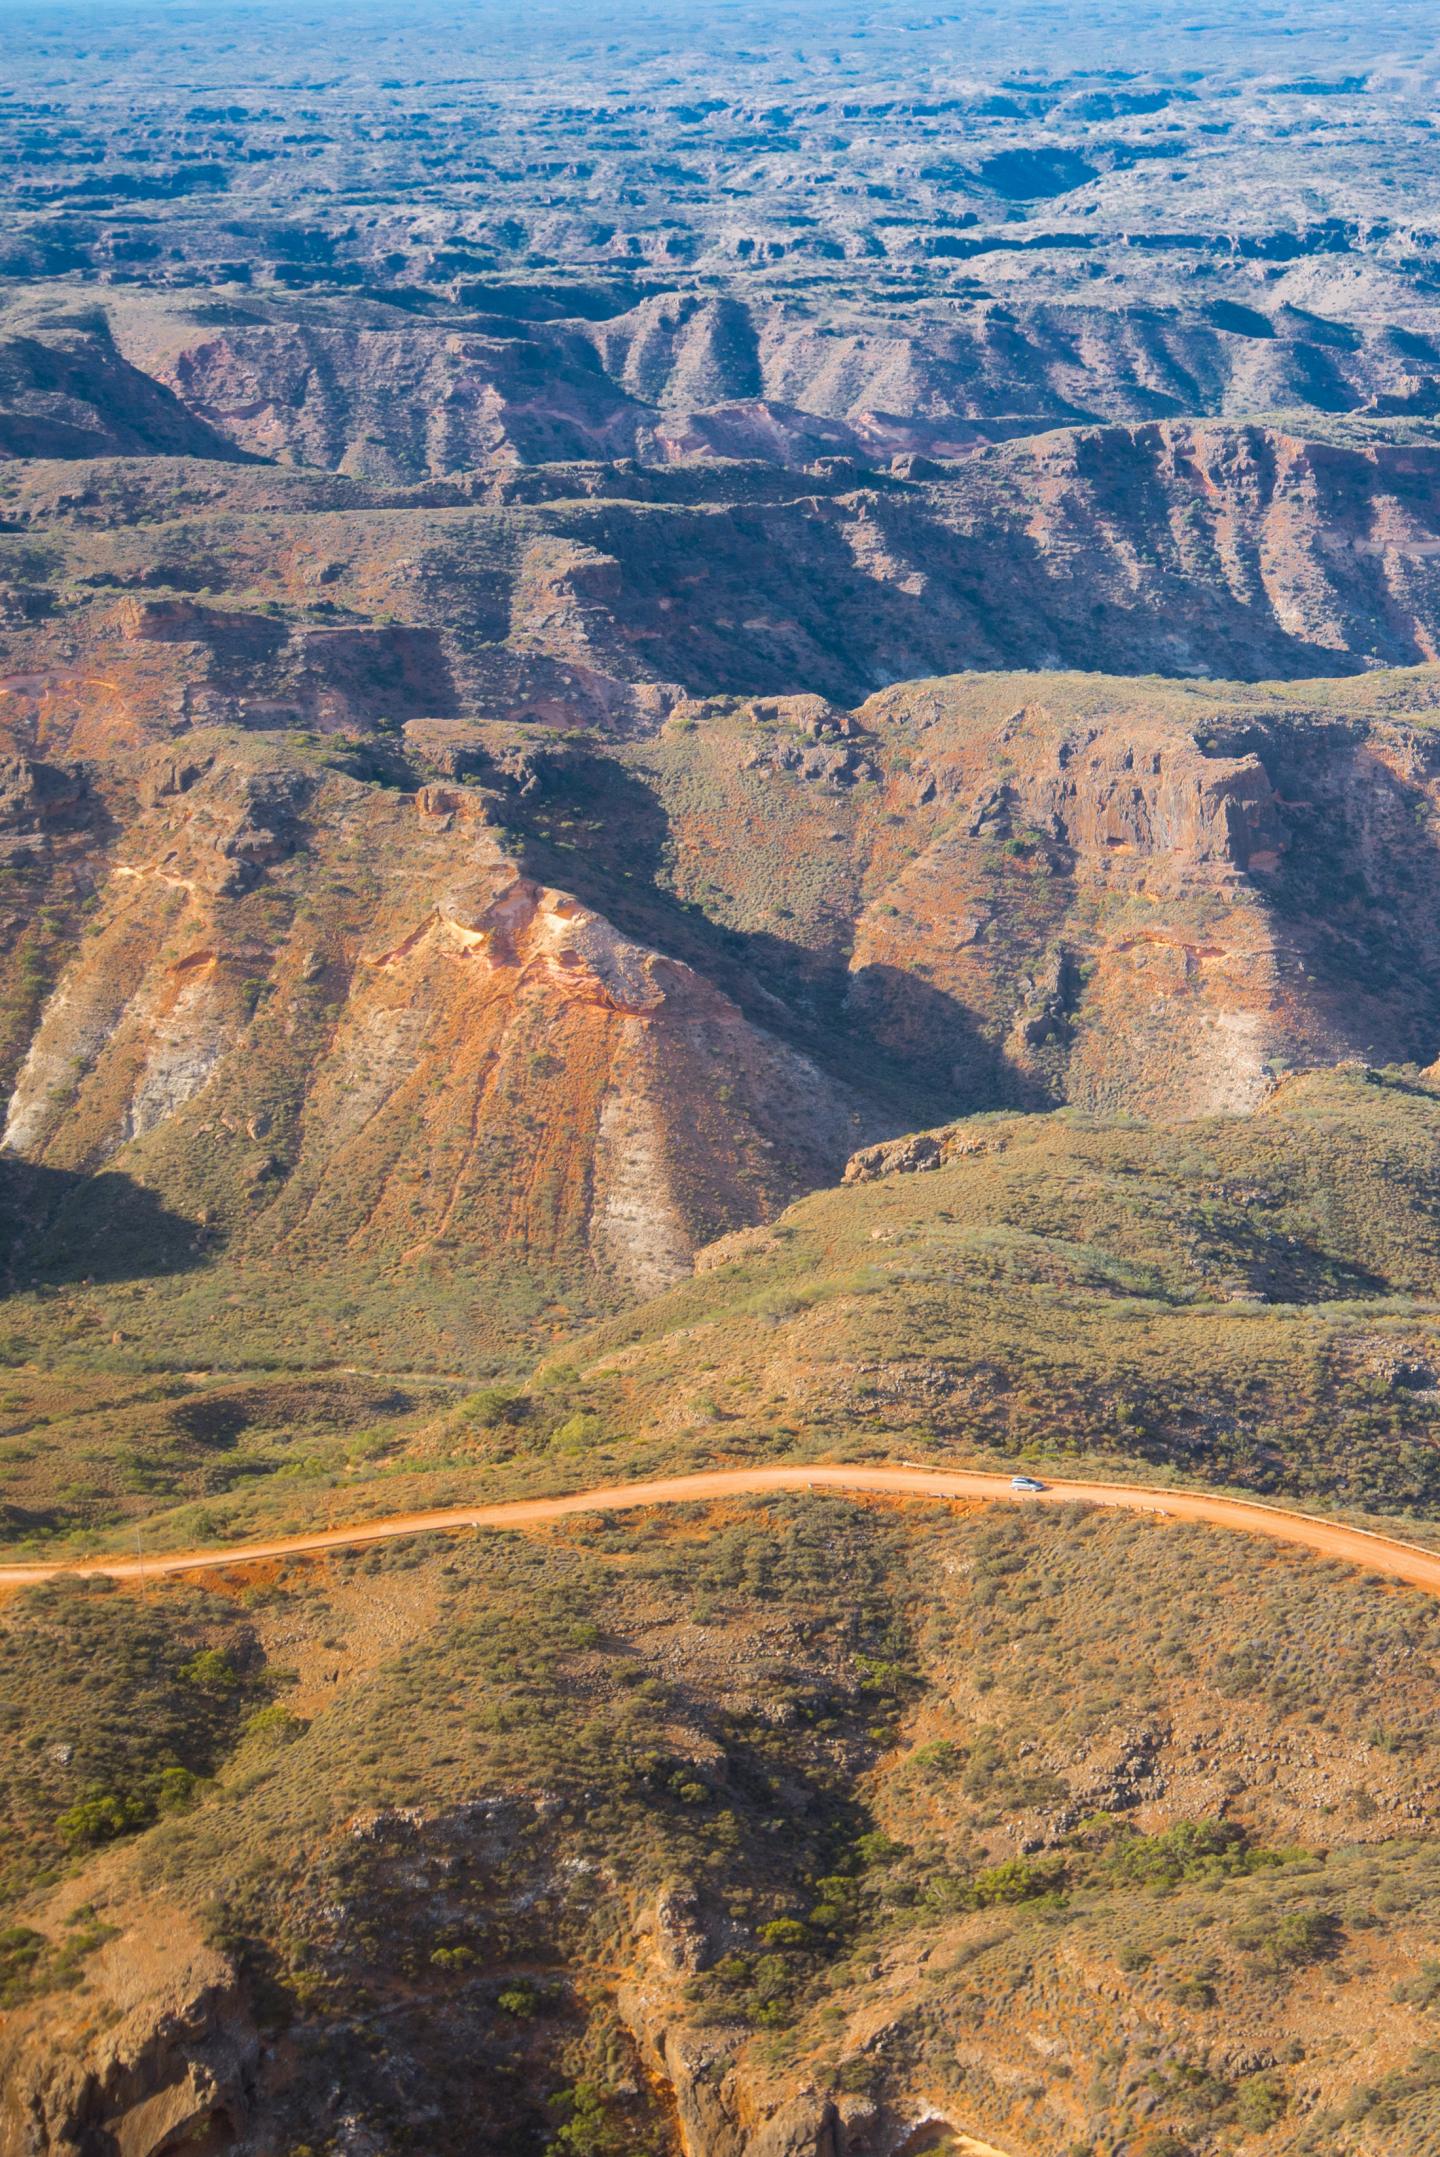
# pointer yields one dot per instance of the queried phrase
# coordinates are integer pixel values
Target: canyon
(719, 774)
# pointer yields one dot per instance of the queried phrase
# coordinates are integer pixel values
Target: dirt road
(1329, 1539)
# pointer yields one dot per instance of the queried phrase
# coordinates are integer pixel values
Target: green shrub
(940, 1757)
(21, 1951)
(174, 1789)
(593, 2125)
(1423, 1989)
(1190, 1850)
(1293, 1941)
(1260, 2100)
(275, 1724)
(1018, 1879)
(785, 1932)
(877, 1848)
(100, 1818)
(212, 1669)
(578, 1433)
(498, 1407)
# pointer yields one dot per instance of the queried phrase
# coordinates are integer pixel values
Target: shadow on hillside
(57, 1227)
(984, 593)
(915, 1052)
(1361, 913)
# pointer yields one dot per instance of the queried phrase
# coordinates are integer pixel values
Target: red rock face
(1095, 905)
(438, 1054)
(335, 1017)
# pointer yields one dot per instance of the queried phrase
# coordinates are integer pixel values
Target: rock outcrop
(172, 2063)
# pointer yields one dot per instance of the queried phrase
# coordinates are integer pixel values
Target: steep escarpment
(399, 394)
(176, 2059)
(75, 395)
(1169, 549)
(1150, 897)
(493, 1017)
(951, 374)
(334, 1024)
(1033, 888)
(595, 594)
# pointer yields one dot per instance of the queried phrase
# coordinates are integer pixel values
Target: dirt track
(1329, 1539)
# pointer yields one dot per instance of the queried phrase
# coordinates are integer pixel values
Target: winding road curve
(1408, 1562)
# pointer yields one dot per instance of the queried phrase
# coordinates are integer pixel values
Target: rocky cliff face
(76, 396)
(580, 1009)
(1104, 895)
(346, 1014)
(171, 2065)
(595, 594)
(683, 376)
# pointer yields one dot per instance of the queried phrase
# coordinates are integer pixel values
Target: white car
(1026, 1482)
